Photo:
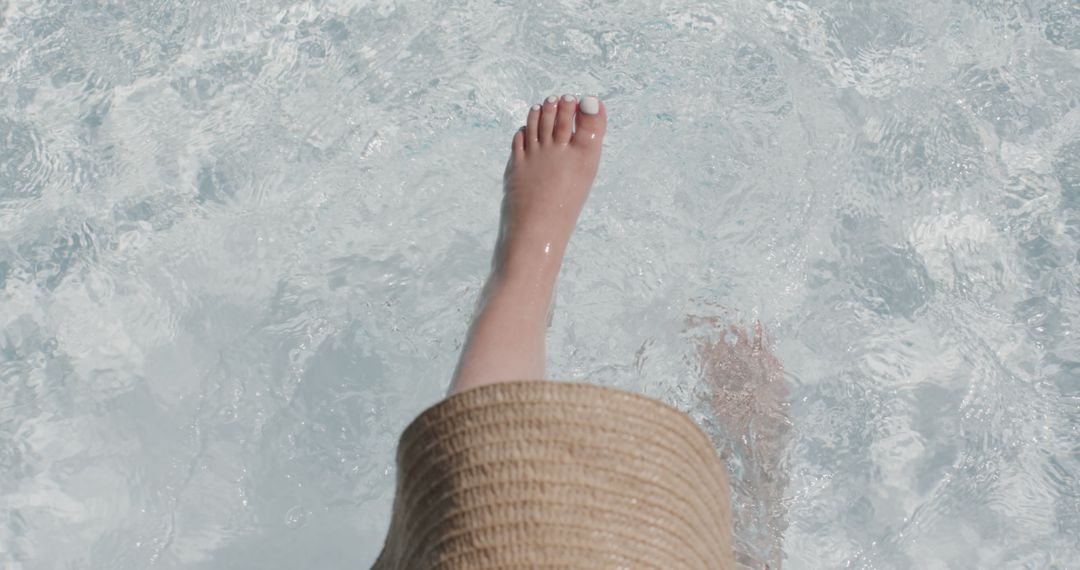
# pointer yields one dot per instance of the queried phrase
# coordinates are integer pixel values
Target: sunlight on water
(240, 242)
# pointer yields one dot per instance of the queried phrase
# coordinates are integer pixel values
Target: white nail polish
(552, 99)
(536, 107)
(590, 105)
(568, 98)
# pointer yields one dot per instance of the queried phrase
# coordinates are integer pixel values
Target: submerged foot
(749, 396)
(552, 165)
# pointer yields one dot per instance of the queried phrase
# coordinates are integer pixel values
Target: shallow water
(240, 241)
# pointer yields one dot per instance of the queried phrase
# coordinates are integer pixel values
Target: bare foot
(749, 400)
(747, 382)
(551, 168)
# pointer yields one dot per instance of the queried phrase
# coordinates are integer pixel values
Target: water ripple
(240, 241)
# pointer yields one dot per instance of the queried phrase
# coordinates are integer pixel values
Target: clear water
(240, 241)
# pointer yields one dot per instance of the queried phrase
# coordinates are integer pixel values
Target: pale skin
(553, 161)
(749, 400)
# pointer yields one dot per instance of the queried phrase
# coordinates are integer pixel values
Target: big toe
(591, 121)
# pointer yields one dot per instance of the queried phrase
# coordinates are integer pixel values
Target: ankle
(527, 285)
(526, 257)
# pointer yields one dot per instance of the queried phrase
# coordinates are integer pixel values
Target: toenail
(590, 105)
(536, 107)
(552, 99)
(568, 98)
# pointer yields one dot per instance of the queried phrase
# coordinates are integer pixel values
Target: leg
(552, 165)
(749, 399)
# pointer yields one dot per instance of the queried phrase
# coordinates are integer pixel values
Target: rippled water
(239, 243)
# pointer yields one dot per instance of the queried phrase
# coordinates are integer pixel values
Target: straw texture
(556, 475)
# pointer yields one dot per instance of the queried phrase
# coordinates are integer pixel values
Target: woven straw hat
(557, 475)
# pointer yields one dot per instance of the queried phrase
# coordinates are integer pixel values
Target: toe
(564, 119)
(532, 126)
(591, 122)
(547, 119)
(519, 141)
